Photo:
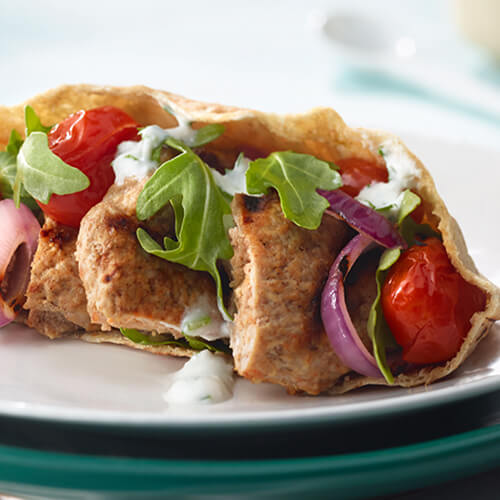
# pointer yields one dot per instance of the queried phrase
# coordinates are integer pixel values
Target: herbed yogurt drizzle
(134, 158)
(205, 379)
(204, 320)
(403, 174)
(234, 180)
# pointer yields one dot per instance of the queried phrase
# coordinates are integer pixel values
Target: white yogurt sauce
(233, 181)
(403, 175)
(206, 378)
(133, 158)
(211, 324)
(183, 132)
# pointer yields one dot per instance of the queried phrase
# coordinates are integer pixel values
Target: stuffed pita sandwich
(318, 256)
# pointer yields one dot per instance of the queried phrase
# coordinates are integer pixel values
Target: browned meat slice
(279, 271)
(51, 324)
(55, 297)
(125, 286)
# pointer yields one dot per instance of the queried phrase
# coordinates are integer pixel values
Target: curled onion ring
(338, 325)
(18, 242)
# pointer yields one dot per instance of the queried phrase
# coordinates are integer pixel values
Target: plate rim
(468, 452)
(353, 412)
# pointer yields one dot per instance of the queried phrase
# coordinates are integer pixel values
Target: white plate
(69, 380)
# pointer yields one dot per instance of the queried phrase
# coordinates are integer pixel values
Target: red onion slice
(364, 219)
(336, 319)
(18, 242)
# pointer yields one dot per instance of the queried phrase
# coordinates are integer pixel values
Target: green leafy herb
(43, 173)
(141, 338)
(377, 327)
(33, 123)
(207, 134)
(381, 152)
(296, 177)
(8, 170)
(187, 342)
(198, 344)
(196, 323)
(412, 231)
(7, 174)
(15, 143)
(155, 154)
(409, 203)
(199, 207)
(201, 137)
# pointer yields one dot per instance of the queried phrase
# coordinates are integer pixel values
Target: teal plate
(36, 474)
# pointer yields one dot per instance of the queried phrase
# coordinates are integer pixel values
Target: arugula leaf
(199, 207)
(409, 203)
(15, 143)
(201, 137)
(140, 338)
(33, 123)
(194, 343)
(377, 327)
(296, 177)
(207, 134)
(199, 344)
(410, 229)
(8, 171)
(43, 173)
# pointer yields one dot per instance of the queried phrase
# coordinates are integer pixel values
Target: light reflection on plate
(69, 380)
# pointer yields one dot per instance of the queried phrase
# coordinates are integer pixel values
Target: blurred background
(418, 65)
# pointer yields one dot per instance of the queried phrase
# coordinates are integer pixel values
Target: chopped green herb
(197, 323)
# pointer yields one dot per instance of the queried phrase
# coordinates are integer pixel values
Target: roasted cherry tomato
(357, 173)
(428, 305)
(88, 141)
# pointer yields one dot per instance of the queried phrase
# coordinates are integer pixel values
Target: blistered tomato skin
(88, 141)
(428, 305)
(357, 173)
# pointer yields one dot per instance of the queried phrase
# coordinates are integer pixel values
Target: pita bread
(320, 132)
